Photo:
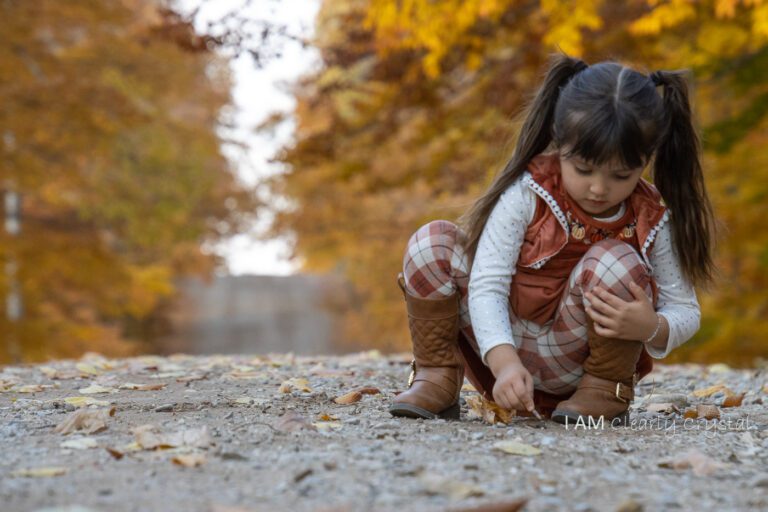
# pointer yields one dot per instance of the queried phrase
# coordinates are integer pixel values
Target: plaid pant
(435, 265)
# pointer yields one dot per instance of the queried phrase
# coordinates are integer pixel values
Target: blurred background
(238, 176)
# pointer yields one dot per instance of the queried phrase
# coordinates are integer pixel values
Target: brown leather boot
(608, 385)
(437, 368)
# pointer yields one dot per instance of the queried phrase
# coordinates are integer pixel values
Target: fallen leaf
(512, 505)
(149, 438)
(327, 425)
(6, 385)
(94, 389)
(40, 472)
(32, 388)
(488, 411)
(80, 443)
(141, 387)
(88, 369)
(192, 377)
(734, 400)
(701, 464)
(324, 416)
(516, 448)
(295, 384)
(719, 368)
(455, 489)
(707, 411)
(665, 408)
(89, 421)
(191, 460)
(348, 398)
(60, 374)
(691, 413)
(293, 422)
(369, 391)
(468, 387)
(711, 390)
(114, 452)
(85, 401)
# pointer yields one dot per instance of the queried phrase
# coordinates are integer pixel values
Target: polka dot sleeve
(494, 266)
(677, 297)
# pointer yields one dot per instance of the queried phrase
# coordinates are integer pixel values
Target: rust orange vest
(561, 233)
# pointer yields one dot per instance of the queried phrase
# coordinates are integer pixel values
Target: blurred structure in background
(248, 314)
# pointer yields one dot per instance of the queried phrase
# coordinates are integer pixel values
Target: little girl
(571, 272)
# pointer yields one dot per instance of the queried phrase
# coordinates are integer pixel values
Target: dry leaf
(707, 411)
(324, 416)
(89, 421)
(84, 401)
(295, 384)
(6, 385)
(40, 472)
(191, 460)
(701, 464)
(512, 505)
(88, 369)
(142, 387)
(327, 425)
(455, 489)
(665, 408)
(80, 443)
(516, 448)
(711, 390)
(114, 452)
(60, 374)
(293, 422)
(468, 387)
(148, 437)
(488, 411)
(349, 398)
(32, 388)
(94, 389)
(192, 377)
(733, 400)
(691, 413)
(369, 391)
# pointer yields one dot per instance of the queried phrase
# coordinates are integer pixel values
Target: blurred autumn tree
(108, 133)
(412, 114)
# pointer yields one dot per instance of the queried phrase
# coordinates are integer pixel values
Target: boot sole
(563, 416)
(412, 411)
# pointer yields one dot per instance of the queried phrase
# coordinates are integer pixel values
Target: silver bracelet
(656, 331)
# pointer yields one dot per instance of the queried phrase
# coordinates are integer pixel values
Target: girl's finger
(600, 318)
(600, 305)
(521, 390)
(637, 292)
(611, 299)
(605, 332)
(512, 398)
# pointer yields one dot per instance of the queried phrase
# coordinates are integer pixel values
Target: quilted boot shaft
(438, 367)
(607, 387)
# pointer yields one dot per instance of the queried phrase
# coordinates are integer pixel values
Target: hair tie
(657, 78)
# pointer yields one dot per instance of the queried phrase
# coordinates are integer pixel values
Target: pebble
(164, 408)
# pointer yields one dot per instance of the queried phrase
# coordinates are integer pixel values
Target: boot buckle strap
(413, 373)
(624, 393)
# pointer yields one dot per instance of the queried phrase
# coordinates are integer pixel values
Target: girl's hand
(615, 318)
(514, 388)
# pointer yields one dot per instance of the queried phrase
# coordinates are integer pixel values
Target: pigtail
(535, 136)
(679, 178)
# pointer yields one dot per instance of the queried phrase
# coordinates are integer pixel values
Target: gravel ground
(246, 433)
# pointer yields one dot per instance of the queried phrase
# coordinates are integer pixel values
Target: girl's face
(598, 190)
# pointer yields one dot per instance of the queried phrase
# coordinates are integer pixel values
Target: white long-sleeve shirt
(496, 259)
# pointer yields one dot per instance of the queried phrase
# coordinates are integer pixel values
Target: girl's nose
(597, 188)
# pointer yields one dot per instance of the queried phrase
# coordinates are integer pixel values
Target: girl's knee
(611, 261)
(436, 233)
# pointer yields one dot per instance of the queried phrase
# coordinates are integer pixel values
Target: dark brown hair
(608, 112)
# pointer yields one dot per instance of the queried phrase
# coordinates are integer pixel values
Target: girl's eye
(622, 178)
(582, 171)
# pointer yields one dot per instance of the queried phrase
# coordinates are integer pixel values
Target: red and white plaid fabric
(435, 265)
